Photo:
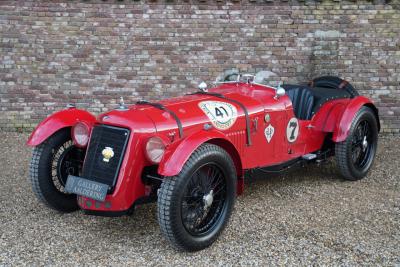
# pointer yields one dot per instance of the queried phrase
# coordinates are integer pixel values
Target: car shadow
(309, 172)
(144, 219)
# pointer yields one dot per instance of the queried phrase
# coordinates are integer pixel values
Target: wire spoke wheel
(204, 199)
(195, 205)
(67, 160)
(362, 144)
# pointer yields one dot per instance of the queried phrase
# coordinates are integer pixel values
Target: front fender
(178, 153)
(57, 121)
(342, 127)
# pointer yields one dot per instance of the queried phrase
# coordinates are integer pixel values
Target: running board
(300, 161)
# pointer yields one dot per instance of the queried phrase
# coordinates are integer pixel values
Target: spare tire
(335, 83)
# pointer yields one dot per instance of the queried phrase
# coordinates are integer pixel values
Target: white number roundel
(221, 114)
(292, 130)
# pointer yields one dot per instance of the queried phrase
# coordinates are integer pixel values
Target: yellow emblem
(107, 153)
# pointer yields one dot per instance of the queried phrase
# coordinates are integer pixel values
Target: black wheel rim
(204, 200)
(67, 160)
(362, 146)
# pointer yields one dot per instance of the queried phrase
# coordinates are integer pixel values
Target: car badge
(107, 153)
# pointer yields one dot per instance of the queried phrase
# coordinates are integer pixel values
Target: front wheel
(195, 206)
(355, 155)
(51, 163)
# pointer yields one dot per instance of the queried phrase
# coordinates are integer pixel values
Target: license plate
(85, 187)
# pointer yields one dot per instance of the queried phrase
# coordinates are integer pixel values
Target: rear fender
(178, 153)
(57, 121)
(343, 124)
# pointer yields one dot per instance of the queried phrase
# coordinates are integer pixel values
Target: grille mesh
(95, 168)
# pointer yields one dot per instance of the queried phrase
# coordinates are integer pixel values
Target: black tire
(178, 215)
(48, 171)
(355, 155)
(334, 82)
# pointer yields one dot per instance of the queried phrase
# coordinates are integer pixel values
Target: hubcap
(208, 199)
(365, 143)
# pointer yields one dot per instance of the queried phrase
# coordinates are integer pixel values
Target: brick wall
(92, 52)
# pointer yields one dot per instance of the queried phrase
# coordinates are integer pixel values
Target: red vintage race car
(191, 153)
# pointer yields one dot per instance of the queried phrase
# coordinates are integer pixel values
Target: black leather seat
(307, 101)
(302, 101)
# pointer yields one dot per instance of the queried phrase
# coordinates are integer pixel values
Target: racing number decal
(221, 114)
(292, 130)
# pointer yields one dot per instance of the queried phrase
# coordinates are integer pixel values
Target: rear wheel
(195, 205)
(355, 155)
(51, 163)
